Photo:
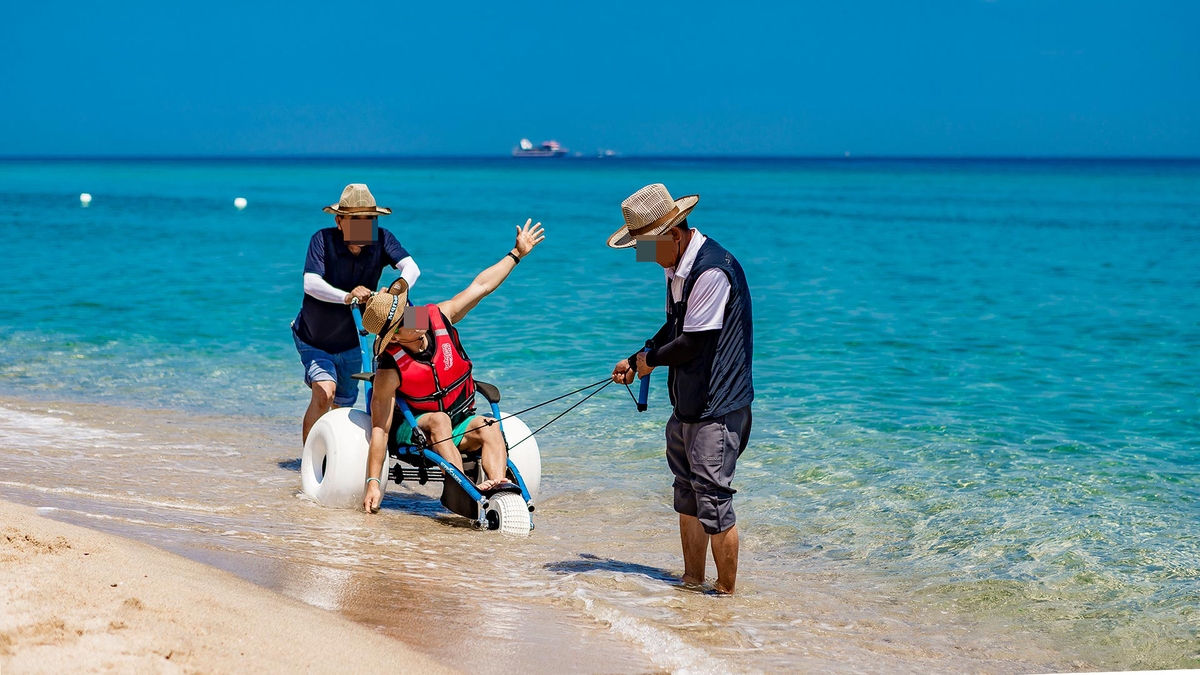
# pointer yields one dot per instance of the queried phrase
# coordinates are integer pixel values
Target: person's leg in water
(713, 448)
(695, 549)
(725, 554)
(695, 553)
(321, 403)
(691, 533)
(330, 378)
(725, 543)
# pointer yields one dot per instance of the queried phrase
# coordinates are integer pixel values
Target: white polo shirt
(706, 305)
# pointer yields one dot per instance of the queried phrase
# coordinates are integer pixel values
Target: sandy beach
(76, 600)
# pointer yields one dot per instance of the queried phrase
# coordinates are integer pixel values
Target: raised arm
(456, 308)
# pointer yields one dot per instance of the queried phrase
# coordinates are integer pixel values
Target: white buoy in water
(239, 203)
(84, 199)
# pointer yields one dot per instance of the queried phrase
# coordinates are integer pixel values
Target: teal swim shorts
(404, 431)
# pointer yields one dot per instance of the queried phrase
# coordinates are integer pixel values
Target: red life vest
(442, 385)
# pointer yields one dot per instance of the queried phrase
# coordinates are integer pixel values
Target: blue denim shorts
(322, 366)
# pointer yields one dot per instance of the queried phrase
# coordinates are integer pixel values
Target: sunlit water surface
(975, 441)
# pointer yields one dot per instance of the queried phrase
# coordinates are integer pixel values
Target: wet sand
(226, 492)
(76, 600)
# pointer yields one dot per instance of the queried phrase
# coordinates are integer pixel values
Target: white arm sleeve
(409, 270)
(320, 289)
(706, 304)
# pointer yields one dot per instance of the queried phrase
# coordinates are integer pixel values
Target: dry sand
(74, 600)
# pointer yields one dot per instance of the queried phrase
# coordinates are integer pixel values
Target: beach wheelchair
(333, 468)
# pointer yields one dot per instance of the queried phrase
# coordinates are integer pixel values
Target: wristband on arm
(652, 358)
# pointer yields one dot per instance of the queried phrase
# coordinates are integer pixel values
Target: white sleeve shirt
(320, 289)
(706, 304)
(409, 270)
(316, 286)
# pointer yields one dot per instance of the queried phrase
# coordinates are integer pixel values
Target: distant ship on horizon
(546, 149)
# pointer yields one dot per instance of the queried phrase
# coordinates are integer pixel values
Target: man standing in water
(351, 255)
(708, 343)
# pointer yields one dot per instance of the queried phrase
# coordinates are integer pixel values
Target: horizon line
(812, 157)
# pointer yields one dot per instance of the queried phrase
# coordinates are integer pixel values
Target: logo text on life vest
(447, 355)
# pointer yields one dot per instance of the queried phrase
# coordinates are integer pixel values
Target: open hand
(528, 237)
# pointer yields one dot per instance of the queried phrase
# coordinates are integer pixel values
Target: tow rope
(490, 421)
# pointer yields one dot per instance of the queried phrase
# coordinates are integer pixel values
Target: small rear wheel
(508, 513)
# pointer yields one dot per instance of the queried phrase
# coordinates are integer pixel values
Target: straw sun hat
(357, 200)
(649, 212)
(384, 313)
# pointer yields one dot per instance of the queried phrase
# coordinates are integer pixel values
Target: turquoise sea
(977, 423)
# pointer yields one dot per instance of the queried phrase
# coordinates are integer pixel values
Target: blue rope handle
(644, 392)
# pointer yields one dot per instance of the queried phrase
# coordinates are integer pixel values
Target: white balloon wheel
(508, 513)
(525, 455)
(333, 468)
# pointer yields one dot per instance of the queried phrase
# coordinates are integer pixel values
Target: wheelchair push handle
(365, 345)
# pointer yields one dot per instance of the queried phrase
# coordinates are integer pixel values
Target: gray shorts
(703, 455)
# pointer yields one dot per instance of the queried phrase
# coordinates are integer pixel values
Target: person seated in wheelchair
(420, 359)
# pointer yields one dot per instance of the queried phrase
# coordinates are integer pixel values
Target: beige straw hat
(384, 313)
(650, 211)
(357, 200)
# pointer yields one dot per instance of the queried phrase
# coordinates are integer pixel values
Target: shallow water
(223, 491)
(975, 433)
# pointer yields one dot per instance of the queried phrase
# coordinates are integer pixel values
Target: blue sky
(816, 78)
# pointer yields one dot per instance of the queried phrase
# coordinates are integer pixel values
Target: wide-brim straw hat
(650, 212)
(383, 314)
(357, 200)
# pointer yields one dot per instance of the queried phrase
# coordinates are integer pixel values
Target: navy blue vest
(718, 381)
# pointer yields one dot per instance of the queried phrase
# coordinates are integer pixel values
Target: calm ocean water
(977, 380)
